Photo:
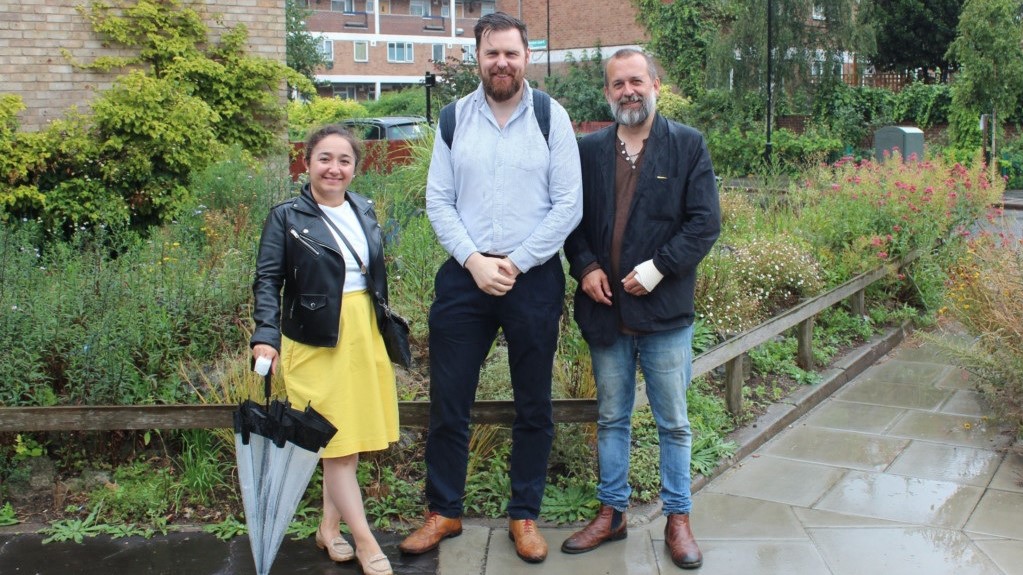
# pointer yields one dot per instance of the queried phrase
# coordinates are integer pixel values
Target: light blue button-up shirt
(501, 190)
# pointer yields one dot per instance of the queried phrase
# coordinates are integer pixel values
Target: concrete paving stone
(854, 416)
(907, 499)
(631, 556)
(919, 351)
(999, 513)
(966, 465)
(818, 518)
(956, 378)
(911, 372)
(1007, 554)
(723, 516)
(902, 551)
(1009, 476)
(755, 558)
(467, 553)
(907, 395)
(966, 430)
(839, 448)
(773, 479)
(966, 402)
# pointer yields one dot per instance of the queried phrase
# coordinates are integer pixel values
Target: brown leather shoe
(608, 525)
(428, 537)
(529, 544)
(678, 536)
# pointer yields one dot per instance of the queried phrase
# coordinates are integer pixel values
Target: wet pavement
(901, 471)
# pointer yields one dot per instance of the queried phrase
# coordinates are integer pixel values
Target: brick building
(35, 34)
(374, 46)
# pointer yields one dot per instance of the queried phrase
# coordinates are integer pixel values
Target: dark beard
(500, 94)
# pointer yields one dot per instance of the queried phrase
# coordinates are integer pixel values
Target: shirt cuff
(647, 275)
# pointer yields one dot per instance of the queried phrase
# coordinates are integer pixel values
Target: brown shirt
(627, 170)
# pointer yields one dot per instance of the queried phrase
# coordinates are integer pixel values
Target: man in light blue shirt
(501, 200)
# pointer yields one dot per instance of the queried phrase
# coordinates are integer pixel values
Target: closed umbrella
(277, 448)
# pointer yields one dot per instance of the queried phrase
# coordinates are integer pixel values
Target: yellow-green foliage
(304, 116)
(673, 106)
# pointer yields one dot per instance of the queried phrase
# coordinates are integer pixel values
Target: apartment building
(375, 46)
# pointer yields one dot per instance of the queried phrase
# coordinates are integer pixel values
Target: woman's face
(331, 167)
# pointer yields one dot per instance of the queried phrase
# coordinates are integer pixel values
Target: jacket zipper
(305, 242)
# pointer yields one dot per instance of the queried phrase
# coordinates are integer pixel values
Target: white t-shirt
(345, 220)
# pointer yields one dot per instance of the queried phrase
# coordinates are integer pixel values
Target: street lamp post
(770, 79)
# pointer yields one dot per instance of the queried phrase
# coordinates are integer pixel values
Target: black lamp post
(770, 79)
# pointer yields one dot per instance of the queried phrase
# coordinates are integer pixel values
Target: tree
(303, 53)
(809, 42)
(581, 90)
(989, 52)
(681, 33)
(900, 45)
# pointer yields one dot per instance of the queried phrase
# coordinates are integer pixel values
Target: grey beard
(633, 117)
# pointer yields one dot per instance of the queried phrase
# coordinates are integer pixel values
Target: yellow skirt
(352, 384)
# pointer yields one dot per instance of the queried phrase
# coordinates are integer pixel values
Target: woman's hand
(262, 350)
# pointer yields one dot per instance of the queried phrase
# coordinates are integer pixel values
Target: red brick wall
(576, 24)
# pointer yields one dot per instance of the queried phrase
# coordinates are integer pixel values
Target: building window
(369, 6)
(487, 7)
(361, 50)
(469, 53)
(445, 10)
(327, 50)
(342, 6)
(385, 6)
(399, 52)
(419, 8)
(346, 91)
(438, 52)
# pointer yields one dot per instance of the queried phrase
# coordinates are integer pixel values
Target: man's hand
(596, 286)
(494, 276)
(632, 285)
(262, 350)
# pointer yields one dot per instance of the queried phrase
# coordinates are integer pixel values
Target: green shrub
(304, 116)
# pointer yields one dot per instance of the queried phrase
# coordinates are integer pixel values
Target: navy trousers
(463, 326)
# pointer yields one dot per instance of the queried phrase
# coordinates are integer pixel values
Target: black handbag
(394, 329)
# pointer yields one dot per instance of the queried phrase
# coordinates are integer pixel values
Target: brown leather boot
(608, 525)
(530, 546)
(678, 536)
(428, 537)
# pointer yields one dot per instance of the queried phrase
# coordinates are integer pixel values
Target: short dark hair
(499, 22)
(622, 53)
(332, 130)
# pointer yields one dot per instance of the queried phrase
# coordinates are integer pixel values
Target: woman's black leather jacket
(298, 254)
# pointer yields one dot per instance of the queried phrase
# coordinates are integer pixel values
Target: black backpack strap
(542, 111)
(447, 123)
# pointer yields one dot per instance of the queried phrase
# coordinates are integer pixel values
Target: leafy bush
(581, 89)
(304, 116)
(923, 105)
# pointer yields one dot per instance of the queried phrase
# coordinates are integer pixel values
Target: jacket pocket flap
(312, 302)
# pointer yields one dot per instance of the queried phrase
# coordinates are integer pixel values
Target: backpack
(541, 110)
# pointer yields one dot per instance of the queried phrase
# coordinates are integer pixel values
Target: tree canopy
(900, 45)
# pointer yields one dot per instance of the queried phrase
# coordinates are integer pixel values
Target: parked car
(388, 127)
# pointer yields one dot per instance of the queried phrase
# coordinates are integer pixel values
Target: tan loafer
(338, 549)
(378, 564)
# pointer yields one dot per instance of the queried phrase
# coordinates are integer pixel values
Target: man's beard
(633, 117)
(501, 93)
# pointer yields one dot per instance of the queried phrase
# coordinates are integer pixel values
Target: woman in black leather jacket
(320, 259)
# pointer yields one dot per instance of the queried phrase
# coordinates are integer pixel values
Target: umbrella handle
(266, 388)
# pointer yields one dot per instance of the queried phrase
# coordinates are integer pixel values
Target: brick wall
(34, 33)
(577, 24)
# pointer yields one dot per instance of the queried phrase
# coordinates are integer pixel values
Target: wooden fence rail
(730, 353)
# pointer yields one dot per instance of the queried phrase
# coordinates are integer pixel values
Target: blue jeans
(666, 361)
(464, 322)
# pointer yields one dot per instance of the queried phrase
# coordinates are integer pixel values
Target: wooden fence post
(857, 305)
(804, 335)
(734, 377)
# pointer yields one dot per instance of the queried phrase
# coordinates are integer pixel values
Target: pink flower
(896, 228)
(876, 242)
(882, 255)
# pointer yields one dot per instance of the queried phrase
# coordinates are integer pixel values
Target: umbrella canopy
(277, 448)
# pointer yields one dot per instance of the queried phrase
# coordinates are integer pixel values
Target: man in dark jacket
(650, 214)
